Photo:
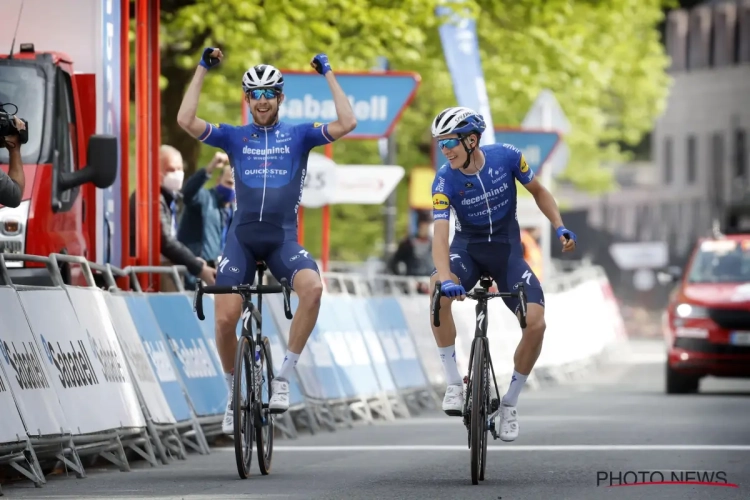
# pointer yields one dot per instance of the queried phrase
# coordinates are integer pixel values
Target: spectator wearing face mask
(172, 251)
(208, 211)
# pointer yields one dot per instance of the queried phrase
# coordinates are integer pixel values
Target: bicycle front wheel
(264, 419)
(478, 411)
(241, 406)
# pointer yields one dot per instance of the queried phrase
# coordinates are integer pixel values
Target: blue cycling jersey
(271, 163)
(483, 203)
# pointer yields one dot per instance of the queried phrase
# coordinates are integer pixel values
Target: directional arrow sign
(378, 99)
(535, 145)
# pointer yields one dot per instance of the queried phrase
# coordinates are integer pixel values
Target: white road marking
(511, 447)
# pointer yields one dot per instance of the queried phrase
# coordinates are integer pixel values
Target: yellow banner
(420, 188)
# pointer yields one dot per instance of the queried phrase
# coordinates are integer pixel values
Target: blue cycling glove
(321, 64)
(207, 61)
(450, 289)
(561, 231)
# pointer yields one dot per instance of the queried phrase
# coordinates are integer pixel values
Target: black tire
(478, 411)
(264, 419)
(679, 383)
(485, 411)
(243, 418)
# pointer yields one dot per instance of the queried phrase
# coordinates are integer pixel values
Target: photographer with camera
(12, 134)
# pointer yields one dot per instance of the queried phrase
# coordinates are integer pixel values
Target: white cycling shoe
(508, 420)
(279, 402)
(453, 402)
(227, 425)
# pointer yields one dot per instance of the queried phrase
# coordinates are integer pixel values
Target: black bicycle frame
(482, 295)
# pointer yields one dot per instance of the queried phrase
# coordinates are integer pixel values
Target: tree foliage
(603, 60)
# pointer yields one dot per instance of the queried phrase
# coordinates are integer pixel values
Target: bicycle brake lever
(286, 292)
(523, 304)
(436, 305)
(198, 301)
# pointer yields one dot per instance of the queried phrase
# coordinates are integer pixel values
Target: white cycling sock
(229, 377)
(448, 357)
(516, 384)
(290, 361)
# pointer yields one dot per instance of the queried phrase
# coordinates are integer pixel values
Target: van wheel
(679, 383)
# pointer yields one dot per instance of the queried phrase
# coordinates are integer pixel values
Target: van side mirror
(669, 275)
(101, 168)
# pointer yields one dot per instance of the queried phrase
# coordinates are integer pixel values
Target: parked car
(706, 324)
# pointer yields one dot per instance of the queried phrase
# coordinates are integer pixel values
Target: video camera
(8, 125)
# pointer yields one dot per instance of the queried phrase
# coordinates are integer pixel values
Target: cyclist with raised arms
(269, 161)
(478, 186)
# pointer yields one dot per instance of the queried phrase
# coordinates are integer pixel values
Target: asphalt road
(611, 422)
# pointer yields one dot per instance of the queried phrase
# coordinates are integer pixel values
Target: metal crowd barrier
(93, 371)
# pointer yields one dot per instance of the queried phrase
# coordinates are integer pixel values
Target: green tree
(603, 60)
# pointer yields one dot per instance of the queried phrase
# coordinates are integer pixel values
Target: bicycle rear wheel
(478, 412)
(264, 427)
(241, 405)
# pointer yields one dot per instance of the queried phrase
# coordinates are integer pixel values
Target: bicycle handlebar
(481, 295)
(243, 290)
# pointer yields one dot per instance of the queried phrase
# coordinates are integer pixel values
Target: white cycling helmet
(457, 120)
(262, 76)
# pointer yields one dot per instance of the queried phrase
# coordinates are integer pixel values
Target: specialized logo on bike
(246, 317)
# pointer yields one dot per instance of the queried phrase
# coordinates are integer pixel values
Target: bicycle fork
(494, 402)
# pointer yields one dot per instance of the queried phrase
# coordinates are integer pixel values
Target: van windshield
(721, 261)
(23, 83)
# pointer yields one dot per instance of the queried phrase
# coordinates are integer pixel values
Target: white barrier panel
(137, 358)
(91, 309)
(11, 427)
(417, 314)
(27, 375)
(89, 400)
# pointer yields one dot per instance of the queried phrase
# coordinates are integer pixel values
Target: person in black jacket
(413, 256)
(172, 174)
(12, 184)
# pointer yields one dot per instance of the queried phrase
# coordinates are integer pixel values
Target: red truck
(63, 161)
(68, 75)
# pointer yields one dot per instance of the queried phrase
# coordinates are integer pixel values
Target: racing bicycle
(251, 390)
(480, 408)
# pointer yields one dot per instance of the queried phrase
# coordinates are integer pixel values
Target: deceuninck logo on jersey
(440, 201)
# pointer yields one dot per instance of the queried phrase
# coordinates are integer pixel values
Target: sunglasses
(268, 93)
(449, 143)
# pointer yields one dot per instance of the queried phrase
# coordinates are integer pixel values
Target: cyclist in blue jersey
(269, 161)
(478, 187)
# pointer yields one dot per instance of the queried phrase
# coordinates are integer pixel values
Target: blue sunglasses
(268, 93)
(449, 143)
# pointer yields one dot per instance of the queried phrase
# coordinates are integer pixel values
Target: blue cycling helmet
(458, 120)
(262, 76)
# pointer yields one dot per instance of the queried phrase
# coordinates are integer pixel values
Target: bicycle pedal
(494, 405)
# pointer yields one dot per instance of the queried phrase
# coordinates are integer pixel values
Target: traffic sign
(536, 145)
(378, 99)
(547, 114)
(327, 183)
